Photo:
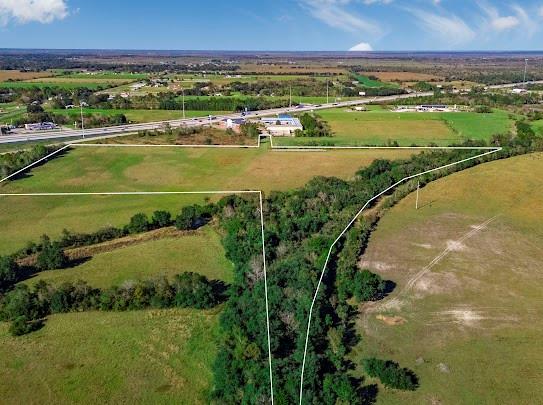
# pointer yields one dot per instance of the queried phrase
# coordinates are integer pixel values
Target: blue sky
(334, 25)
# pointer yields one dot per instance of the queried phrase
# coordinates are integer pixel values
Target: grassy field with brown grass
(466, 312)
(404, 76)
(6, 75)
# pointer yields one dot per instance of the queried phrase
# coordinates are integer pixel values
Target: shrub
(8, 272)
(21, 326)
(138, 223)
(51, 256)
(368, 286)
(390, 374)
(161, 219)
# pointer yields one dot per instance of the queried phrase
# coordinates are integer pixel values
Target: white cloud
(495, 21)
(334, 14)
(361, 47)
(25, 11)
(541, 11)
(369, 2)
(450, 28)
(528, 25)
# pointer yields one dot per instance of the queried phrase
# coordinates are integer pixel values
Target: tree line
(26, 307)
(14, 161)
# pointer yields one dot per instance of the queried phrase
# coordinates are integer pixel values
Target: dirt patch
(380, 266)
(391, 320)
(404, 76)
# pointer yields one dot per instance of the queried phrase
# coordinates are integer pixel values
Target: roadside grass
(352, 128)
(107, 169)
(155, 356)
(201, 252)
(137, 116)
(470, 327)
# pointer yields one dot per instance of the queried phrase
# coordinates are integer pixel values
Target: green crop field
(469, 325)
(201, 253)
(157, 356)
(105, 169)
(352, 128)
(367, 82)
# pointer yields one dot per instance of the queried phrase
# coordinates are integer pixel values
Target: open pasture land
(126, 169)
(199, 251)
(98, 169)
(155, 356)
(466, 314)
(352, 128)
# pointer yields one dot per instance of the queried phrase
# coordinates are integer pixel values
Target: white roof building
(283, 125)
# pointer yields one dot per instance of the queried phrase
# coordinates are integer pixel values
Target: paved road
(99, 132)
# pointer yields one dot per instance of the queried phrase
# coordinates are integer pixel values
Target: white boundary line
(137, 193)
(291, 148)
(34, 163)
(347, 228)
(266, 290)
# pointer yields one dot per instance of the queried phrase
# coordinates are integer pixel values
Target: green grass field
(152, 357)
(351, 128)
(470, 325)
(68, 85)
(200, 253)
(367, 82)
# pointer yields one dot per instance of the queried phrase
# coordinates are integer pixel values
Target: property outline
(489, 151)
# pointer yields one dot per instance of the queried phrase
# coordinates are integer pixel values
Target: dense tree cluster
(314, 127)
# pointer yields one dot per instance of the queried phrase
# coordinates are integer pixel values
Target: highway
(66, 134)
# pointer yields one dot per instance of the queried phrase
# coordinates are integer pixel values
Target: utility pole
(82, 122)
(525, 70)
(183, 91)
(418, 190)
(290, 102)
(327, 92)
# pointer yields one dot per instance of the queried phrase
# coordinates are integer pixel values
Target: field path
(373, 307)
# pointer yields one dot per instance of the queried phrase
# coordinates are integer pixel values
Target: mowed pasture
(466, 312)
(378, 127)
(129, 169)
(153, 357)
